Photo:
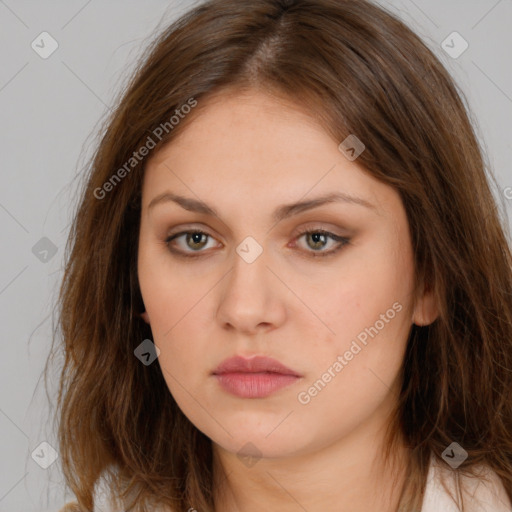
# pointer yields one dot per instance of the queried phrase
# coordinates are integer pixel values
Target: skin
(246, 154)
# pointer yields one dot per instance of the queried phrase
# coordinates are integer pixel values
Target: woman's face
(336, 313)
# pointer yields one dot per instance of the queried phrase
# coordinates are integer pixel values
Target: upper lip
(257, 364)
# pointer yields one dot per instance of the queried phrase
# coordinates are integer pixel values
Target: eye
(319, 238)
(194, 239)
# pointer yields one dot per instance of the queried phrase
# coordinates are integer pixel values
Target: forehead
(253, 145)
(228, 117)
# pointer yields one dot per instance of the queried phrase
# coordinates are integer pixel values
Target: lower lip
(254, 385)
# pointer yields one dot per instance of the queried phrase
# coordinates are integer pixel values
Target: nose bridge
(249, 268)
(249, 296)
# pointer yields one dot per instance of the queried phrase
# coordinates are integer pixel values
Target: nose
(252, 298)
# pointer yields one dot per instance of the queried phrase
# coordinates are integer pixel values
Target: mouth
(257, 377)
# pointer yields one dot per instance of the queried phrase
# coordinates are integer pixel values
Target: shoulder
(482, 493)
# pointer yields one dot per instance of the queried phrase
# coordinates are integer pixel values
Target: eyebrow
(280, 213)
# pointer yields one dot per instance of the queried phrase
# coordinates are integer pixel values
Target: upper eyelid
(301, 232)
(311, 226)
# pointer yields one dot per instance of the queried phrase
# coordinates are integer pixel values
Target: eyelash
(342, 241)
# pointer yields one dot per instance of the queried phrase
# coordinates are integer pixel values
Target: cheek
(178, 324)
(356, 300)
(175, 310)
(355, 371)
(166, 292)
(367, 312)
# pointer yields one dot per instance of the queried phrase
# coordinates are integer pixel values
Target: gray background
(50, 109)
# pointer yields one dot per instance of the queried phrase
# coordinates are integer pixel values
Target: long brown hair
(356, 69)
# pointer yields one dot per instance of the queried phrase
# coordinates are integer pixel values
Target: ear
(427, 308)
(145, 317)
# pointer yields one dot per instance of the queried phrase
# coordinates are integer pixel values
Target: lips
(256, 364)
(257, 377)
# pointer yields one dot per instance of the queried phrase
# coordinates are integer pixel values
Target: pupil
(196, 238)
(316, 237)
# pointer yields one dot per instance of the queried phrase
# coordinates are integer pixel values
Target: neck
(348, 475)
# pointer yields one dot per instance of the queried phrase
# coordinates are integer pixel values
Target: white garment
(479, 495)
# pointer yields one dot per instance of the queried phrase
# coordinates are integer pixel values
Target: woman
(288, 285)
